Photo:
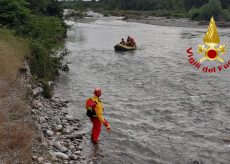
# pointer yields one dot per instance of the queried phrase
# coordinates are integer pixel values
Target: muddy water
(161, 109)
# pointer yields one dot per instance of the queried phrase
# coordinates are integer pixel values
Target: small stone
(44, 144)
(49, 133)
(34, 158)
(57, 127)
(58, 133)
(42, 120)
(37, 91)
(73, 156)
(77, 152)
(40, 159)
(60, 147)
(61, 155)
(71, 147)
(69, 117)
(75, 135)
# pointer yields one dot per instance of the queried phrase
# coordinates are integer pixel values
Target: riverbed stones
(77, 152)
(49, 133)
(37, 91)
(75, 136)
(60, 147)
(61, 155)
(57, 127)
(61, 136)
(69, 117)
(40, 160)
(73, 157)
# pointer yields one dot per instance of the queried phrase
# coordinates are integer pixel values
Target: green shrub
(47, 89)
(13, 12)
(212, 8)
(227, 15)
(195, 14)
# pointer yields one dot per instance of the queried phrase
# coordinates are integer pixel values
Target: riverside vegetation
(31, 32)
(200, 10)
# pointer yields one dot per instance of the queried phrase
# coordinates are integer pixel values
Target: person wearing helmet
(130, 42)
(95, 110)
(122, 41)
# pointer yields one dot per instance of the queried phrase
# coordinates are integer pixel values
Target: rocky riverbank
(58, 139)
(164, 21)
(175, 22)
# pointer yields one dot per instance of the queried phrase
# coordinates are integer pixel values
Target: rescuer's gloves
(106, 123)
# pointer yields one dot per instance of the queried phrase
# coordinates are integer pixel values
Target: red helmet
(97, 92)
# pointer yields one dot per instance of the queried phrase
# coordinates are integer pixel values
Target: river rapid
(161, 108)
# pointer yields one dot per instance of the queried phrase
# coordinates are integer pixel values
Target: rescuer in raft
(131, 42)
(95, 110)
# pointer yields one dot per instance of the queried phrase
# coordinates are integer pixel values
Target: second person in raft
(95, 110)
(130, 42)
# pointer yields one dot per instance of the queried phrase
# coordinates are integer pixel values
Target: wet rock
(61, 155)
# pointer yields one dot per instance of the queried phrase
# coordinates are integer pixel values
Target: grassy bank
(42, 25)
(15, 120)
(12, 52)
(35, 31)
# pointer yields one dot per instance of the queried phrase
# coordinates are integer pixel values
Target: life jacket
(90, 107)
(132, 42)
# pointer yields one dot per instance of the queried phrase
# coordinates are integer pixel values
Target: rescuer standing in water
(95, 110)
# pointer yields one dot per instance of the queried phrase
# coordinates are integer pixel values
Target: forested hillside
(194, 9)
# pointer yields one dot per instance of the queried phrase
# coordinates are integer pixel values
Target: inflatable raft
(121, 47)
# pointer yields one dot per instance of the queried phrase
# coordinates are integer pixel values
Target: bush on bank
(212, 8)
(40, 21)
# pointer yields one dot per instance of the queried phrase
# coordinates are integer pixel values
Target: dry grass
(12, 52)
(16, 126)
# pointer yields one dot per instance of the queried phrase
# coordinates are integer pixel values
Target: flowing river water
(161, 108)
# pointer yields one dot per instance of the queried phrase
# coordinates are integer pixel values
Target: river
(161, 108)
